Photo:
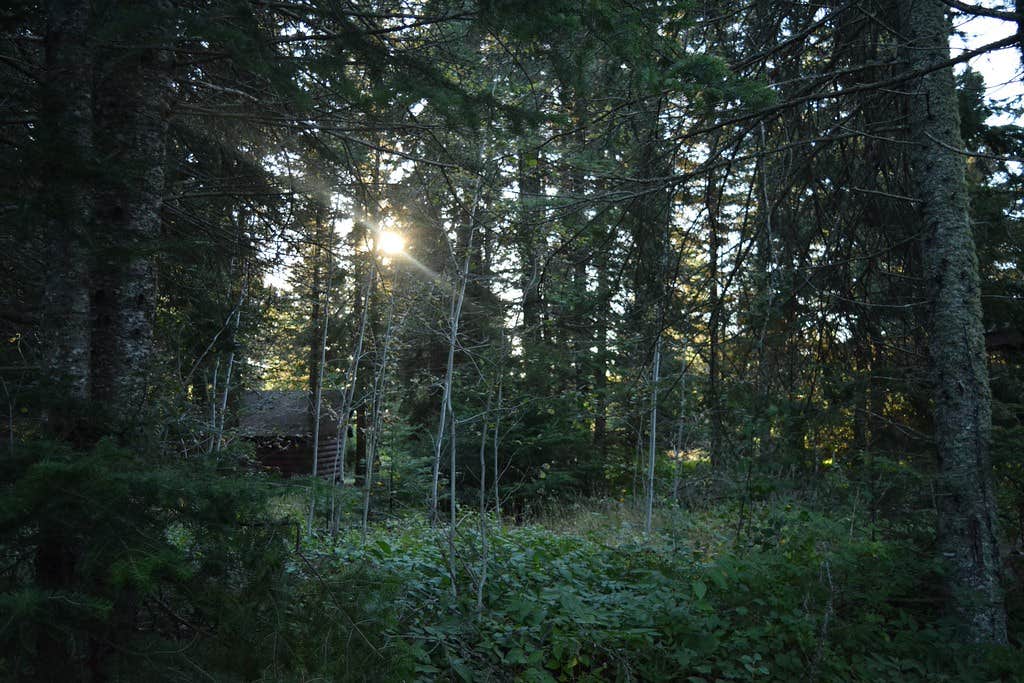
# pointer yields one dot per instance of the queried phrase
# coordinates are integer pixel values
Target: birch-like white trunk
(497, 470)
(652, 444)
(345, 416)
(677, 445)
(484, 545)
(212, 398)
(458, 292)
(228, 370)
(454, 318)
(377, 411)
(319, 396)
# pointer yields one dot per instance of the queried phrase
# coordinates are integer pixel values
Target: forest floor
(781, 588)
(776, 592)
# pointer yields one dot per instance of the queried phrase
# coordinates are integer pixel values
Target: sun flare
(390, 242)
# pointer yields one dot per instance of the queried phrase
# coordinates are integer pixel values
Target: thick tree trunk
(67, 134)
(132, 115)
(961, 396)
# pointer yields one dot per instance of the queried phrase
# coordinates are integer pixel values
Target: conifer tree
(961, 396)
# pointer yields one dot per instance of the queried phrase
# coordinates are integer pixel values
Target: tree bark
(318, 313)
(454, 317)
(132, 120)
(680, 435)
(960, 388)
(377, 408)
(345, 420)
(600, 361)
(713, 200)
(653, 443)
(67, 134)
(530, 190)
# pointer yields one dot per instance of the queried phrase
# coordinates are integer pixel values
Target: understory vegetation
(202, 573)
(511, 340)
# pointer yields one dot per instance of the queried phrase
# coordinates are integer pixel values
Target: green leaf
(464, 672)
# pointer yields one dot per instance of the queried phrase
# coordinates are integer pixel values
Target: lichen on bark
(959, 373)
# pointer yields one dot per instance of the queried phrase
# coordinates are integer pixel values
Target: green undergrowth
(796, 595)
(180, 572)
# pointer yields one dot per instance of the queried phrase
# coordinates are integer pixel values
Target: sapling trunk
(497, 471)
(458, 297)
(638, 455)
(451, 504)
(454, 316)
(318, 398)
(227, 374)
(445, 401)
(677, 445)
(377, 411)
(346, 403)
(212, 398)
(652, 445)
(484, 548)
(224, 400)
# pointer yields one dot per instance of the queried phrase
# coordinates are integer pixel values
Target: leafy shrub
(800, 597)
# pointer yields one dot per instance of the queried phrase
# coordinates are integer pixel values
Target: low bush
(799, 597)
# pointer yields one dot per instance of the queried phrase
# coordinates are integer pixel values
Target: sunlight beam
(390, 242)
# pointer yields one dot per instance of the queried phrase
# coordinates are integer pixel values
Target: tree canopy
(658, 340)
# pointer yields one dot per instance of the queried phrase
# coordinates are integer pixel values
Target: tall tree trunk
(361, 311)
(960, 389)
(67, 128)
(132, 118)
(459, 283)
(653, 443)
(377, 408)
(600, 361)
(581, 305)
(679, 440)
(345, 419)
(496, 476)
(713, 200)
(454, 316)
(530, 191)
(318, 316)
(67, 131)
(321, 362)
(484, 546)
